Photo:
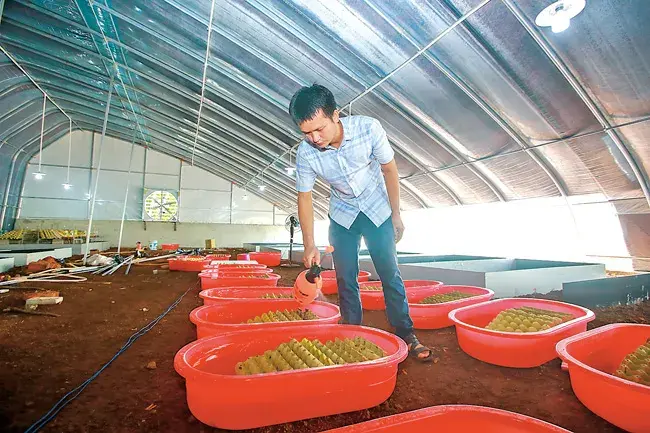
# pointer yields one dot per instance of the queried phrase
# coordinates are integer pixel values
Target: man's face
(321, 130)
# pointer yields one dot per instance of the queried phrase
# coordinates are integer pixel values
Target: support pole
(5, 201)
(126, 196)
(2, 7)
(99, 166)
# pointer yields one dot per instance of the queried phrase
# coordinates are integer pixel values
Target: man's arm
(391, 177)
(306, 217)
(305, 179)
(385, 155)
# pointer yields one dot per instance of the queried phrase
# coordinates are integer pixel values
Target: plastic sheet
(458, 116)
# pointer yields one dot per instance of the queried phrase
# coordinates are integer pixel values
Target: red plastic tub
(511, 349)
(436, 316)
(220, 318)
(236, 266)
(330, 286)
(188, 263)
(592, 358)
(221, 256)
(232, 294)
(235, 272)
(212, 280)
(169, 247)
(267, 258)
(243, 256)
(374, 299)
(221, 399)
(454, 418)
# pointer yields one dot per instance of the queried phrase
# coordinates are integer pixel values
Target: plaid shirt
(353, 171)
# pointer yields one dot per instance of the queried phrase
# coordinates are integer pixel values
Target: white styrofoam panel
(161, 181)
(53, 208)
(187, 215)
(115, 155)
(112, 210)
(253, 203)
(195, 199)
(196, 178)
(57, 152)
(51, 186)
(112, 186)
(162, 164)
(252, 217)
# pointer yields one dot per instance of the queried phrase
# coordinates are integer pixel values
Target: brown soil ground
(42, 358)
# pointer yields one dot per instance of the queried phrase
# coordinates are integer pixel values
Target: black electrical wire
(70, 396)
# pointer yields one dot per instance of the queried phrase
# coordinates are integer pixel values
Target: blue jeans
(380, 242)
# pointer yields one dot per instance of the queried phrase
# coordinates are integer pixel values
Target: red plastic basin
(230, 294)
(182, 263)
(374, 299)
(454, 418)
(219, 318)
(592, 358)
(267, 258)
(220, 256)
(235, 272)
(221, 399)
(210, 281)
(169, 247)
(243, 256)
(235, 266)
(330, 286)
(436, 316)
(512, 349)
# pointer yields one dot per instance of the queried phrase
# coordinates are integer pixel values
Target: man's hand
(398, 227)
(311, 256)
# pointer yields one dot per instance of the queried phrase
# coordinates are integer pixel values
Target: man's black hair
(306, 102)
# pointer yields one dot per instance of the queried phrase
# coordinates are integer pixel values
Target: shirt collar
(348, 132)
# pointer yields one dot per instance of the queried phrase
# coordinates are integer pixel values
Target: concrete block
(6, 264)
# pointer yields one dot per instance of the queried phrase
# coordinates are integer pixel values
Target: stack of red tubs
(218, 397)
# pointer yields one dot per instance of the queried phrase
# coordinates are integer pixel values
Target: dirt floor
(42, 358)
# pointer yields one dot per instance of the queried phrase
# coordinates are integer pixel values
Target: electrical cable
(70, 396)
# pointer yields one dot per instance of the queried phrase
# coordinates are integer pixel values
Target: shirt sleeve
(305, 174)
(381, 149)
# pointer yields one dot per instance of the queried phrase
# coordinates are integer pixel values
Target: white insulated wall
(204, 198)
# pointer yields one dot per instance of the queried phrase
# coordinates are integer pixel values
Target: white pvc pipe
(67, 179)
(99, 166)
(205, 76)
(40, 152)
(126, 196)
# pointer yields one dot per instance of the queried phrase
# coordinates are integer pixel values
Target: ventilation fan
(292, 224)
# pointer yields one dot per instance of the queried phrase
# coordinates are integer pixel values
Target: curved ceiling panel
(497, 109)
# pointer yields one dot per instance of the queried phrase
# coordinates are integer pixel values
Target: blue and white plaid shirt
(353, 171)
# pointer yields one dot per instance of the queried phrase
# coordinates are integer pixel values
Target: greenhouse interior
(325, 216)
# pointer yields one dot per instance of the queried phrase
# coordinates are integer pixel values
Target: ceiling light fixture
(262, 187)
(290, 170)
(558, 15)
